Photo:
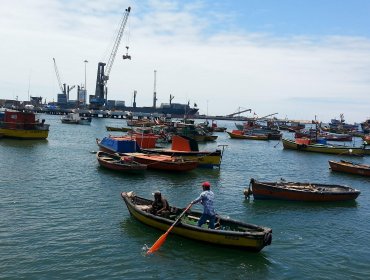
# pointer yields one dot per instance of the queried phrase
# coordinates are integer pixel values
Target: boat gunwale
(356, 166)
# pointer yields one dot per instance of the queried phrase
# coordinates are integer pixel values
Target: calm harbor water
(62, 216)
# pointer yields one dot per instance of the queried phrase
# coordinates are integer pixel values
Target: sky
(302, 59)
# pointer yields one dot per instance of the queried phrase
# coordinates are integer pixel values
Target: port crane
(269, 115)
(63, 88)
(239, 112)
(98, 100)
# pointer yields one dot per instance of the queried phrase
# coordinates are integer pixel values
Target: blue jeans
(206, 217)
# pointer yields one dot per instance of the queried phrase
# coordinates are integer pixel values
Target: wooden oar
(163, 237)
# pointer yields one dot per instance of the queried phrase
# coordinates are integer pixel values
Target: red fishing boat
(310, 192)
(22, 125)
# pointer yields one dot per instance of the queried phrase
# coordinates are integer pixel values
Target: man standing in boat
(206, 198)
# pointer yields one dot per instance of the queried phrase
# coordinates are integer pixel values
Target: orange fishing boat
(164, 162)
(188, 148)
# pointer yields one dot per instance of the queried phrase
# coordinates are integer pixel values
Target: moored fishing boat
(228, 232)
(203, 138)
(118, 163)
(126, 144)
(22, 125)
(238, 134)
(187, 148)
(310, 192)
(305, 145)
(140, 123)
(113, 145)
(196, 132)
(113, 128)
(350, 167)
(336, 137)
(164, 162)
(75, 118)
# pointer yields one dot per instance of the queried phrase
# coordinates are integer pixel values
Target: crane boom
(102, 77)
(267, 116)
(117, 41)
(58, 76)
(236, 113)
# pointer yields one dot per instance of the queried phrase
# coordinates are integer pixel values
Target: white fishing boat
(75, 118)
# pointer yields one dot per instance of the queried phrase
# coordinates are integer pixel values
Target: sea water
(62, 216)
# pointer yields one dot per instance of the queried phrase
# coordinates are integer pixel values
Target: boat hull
(24, 133)
(247, 137)
(115, 163)
(165, 163)
(302, 192)
(205, 159)
(203, 138)
(74, 118)
(349, 167)
(250, 241)
(112, 128)
(81, 122)
(321, 148)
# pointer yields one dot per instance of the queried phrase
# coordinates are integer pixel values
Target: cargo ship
(173, 109)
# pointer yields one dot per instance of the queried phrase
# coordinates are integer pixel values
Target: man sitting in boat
(160, 206)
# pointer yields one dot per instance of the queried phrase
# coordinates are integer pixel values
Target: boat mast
(155, 90)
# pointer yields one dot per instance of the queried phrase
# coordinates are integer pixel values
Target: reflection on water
(182, 251)
(298, 205)
(22, 143)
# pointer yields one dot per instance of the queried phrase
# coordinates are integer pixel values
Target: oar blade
(157, 244)
(163, 237)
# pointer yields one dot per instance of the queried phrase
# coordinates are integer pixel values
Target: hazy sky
(296, 58)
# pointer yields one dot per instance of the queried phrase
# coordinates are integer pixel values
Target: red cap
(206, 184)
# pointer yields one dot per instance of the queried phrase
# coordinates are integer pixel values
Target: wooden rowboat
(228, 232)
(322, 148)
(350, 167)
(296, 191)
(118, 163)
